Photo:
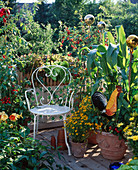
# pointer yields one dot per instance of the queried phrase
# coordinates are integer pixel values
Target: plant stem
(130, 64)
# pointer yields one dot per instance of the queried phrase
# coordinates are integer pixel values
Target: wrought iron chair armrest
(28, 104)
(71, 100)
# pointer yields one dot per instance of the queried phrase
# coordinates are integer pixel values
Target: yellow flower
(77, 134)
(4, 116)
(120, 124)
(132, 118)
(135, 138)
(83, 134)
(129, 133)
(11, 125)
(75, 130)
(125, 128)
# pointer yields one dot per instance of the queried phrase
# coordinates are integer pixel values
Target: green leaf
(114, 56)
(42, 154)
(110, 38)
(21, 24)
(104, 35)
(90, 60)
(101, 48)
(96, 85)
(122, 40)
(109, 56)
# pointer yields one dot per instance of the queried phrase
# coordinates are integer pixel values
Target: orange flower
(12, 118)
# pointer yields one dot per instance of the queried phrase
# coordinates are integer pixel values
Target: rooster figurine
(110, 107)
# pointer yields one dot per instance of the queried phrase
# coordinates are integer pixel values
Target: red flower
(3, 56)
(4, 20)
(2, 12)
(90, 47)
(78, 42)
(9, 66)
(78, 60)
(98, 31)
(62, 41)
(3, 102)
(61, 45)
(116, 129)
(12, 117)
(63, 37)
(110, 127)
(69, 54)
(80, 39)
(12, 85)
(86, 38)
(68, 32)
(75, 47)
(67, 38)
(72, 46)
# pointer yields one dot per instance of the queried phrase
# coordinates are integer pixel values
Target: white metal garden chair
(43, 105)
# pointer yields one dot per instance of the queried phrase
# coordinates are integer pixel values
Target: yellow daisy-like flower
(120, 124)
(129, 133)
(77, 134)
(83, 134)
(135, 138)
(125, 128)
(132, 118)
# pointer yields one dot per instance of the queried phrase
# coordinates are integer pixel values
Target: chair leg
(34, 126)
(66, 141)
(37, 124)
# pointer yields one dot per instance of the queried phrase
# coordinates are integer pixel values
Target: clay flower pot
(111, 147)
(78, 149)
(61, 140)
(53, 142)
(92, 138)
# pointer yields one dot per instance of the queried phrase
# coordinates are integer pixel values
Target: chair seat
(50, 110)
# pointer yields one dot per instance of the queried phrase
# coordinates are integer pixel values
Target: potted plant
(111, 64)
(87, 108)
(79, 126)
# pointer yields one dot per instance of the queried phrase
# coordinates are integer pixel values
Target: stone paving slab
(92, 160)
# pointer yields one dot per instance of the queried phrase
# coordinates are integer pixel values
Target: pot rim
(106, 133)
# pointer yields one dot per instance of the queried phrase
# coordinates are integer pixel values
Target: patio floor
(92, 160)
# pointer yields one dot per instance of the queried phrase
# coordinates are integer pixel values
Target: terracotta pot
(61, 140)
(78, 149)
(92, 138)
(111, 147)
(53, 142)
